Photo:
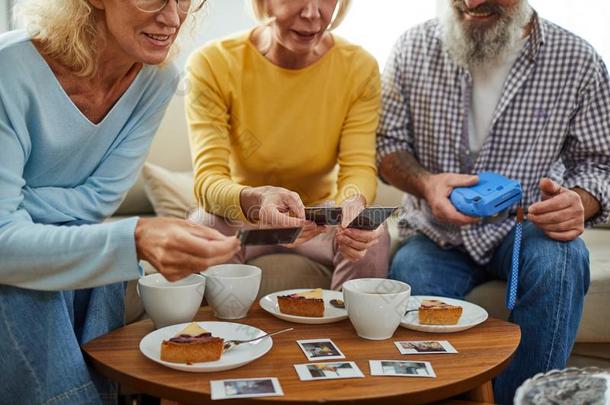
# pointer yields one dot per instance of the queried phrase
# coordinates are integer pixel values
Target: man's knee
(553, 261)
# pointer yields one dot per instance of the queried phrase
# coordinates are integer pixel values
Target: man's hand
(402, 170)
(177, 248)
(560, 214)
(438, 187)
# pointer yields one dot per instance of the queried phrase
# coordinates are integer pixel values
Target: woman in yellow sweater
(283, 117)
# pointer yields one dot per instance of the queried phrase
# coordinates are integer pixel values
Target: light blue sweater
(57, 167)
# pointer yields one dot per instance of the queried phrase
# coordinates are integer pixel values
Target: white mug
(231, 289)
(375, 306)
(170, 303)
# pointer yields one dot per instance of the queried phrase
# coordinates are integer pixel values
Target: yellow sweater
(252, 123)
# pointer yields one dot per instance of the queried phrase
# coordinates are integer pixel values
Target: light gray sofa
(170, 150)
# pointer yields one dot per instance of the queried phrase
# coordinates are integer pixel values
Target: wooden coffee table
(483, 352)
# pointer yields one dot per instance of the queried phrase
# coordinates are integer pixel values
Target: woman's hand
(177, 248)
(272, 206)
(354, 243)
(276, 207)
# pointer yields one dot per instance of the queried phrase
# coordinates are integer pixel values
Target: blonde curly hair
(67, 31)
(259, 11)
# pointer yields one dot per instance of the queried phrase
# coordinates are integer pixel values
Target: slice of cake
(307, 303)
(435, 312)
(193, 344)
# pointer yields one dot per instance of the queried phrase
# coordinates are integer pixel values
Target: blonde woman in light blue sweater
(80, 100)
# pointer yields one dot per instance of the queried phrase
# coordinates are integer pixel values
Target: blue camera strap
(513, 281)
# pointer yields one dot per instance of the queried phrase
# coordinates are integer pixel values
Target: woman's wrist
(138, 236)
(250, 202)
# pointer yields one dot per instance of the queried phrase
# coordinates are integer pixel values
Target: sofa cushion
(599, 350)
(604, 226)
(135, 202)
(170, 193)
(170, 149)
(595, 325)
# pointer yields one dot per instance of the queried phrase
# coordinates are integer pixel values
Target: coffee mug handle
(138, 289)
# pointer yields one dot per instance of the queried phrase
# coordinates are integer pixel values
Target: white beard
(472, 47)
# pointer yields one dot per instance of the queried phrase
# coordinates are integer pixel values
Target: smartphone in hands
(370, 218)
(324, 215)
(271, 236)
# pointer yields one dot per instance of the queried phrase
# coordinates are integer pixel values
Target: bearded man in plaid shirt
(491, 86)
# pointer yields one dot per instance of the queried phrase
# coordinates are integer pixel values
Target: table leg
(484, 393)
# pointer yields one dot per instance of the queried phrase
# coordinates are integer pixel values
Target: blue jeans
(553, 280)
(40, 337)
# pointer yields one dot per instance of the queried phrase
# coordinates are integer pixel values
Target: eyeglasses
(184, 6)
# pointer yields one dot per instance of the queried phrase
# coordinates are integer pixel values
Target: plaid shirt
(553, 119)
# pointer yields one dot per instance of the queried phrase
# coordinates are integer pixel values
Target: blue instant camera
(491, 195)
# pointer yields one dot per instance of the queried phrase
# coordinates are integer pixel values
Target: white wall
(220, 18)
(589, 19)
(376, 24)
(4, 15)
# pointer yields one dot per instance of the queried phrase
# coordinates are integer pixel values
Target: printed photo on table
(320, 349)
(425, 347)
(328, 371)
(245, 388)
(401, 368)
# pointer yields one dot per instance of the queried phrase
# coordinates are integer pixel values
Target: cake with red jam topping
(435, 312)
(306, 303)
(193, 344)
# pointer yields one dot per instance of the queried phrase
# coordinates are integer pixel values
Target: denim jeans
(553, 280)
(40, 337)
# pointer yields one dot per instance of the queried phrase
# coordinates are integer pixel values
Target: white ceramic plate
(472, 315)
(331, 313)
(150, 346)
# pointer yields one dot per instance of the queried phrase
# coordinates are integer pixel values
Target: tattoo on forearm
(403, 171)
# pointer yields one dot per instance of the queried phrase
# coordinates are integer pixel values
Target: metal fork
(230, 344)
